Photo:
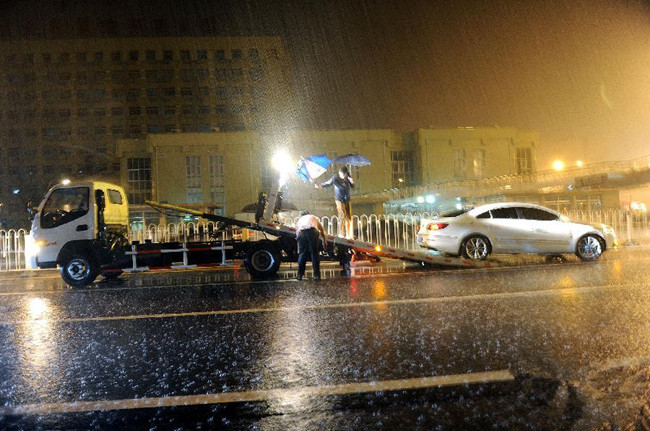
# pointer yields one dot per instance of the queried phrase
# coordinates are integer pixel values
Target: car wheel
(78, 270)
(476, 247)
(262, 260)
(589, 247)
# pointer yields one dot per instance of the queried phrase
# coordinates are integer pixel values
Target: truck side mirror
(31, 210)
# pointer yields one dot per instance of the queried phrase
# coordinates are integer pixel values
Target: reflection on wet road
(537, 342)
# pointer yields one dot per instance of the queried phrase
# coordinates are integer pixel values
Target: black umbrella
(351, 159)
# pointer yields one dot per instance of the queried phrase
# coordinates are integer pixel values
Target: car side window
(486, 214)
(537, 214)
(508, 213)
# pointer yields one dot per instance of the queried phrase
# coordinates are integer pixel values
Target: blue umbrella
(351, 159)
(311, 167)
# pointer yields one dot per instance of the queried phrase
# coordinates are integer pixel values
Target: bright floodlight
(579, 163)
(430, 199)
(282, 163)
(65, 181)
(558, 165)
(420, 199)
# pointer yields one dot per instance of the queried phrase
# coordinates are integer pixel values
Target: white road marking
(415, 301)
(260, 395)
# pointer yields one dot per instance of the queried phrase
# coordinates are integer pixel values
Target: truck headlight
(32, 249)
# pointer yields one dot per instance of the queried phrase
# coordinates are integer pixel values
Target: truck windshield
(64, 205)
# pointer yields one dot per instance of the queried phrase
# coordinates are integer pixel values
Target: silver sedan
(512, 228)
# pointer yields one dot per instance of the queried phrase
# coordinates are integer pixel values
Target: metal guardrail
(388, 230)
(12, 249)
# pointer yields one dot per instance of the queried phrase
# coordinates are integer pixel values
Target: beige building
(64, 103)
(473, 153)
(223, 172)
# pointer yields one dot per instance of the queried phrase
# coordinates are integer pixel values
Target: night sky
(577, 71)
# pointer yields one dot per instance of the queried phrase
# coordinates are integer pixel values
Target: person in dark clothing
(308, 231)
(342, 184)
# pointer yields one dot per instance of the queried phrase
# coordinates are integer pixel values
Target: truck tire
(262, 260)
(78, 269)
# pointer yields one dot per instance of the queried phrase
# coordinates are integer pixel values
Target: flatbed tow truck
(81, 229)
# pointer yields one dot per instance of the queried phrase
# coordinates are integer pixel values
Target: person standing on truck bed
(308, 230)
(342, 184)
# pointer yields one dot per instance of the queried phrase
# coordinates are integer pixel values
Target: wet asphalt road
(530, 345)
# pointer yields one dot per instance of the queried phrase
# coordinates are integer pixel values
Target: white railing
(12, 249)
(389, 230)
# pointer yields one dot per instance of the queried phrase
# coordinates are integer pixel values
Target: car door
(507, 232)
(549, 234)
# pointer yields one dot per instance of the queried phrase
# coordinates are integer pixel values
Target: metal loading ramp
(281, 230)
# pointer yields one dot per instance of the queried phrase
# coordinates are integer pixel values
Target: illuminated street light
(65, 181)
(579, 163)
(558, 165)
(430, 199)
(420, 199)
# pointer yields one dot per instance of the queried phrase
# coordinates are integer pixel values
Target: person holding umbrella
(342, 184)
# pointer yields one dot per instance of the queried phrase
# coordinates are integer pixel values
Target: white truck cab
(76, 224)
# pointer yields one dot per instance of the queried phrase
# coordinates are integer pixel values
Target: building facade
(223, 172)
(470, 153)
(65, 103)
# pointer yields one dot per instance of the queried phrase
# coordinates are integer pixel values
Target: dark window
(201, 54)
(236, 54)
(116, 56)
(151, 55)
(509, 213)
(221, 54)
(537, 214)
(153, 93)
(168, 55)
(237, 74)
(486, 214)
(134, 55)
(255, 74)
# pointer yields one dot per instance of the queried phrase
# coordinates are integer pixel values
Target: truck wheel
(262, 260)
(78, 270)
